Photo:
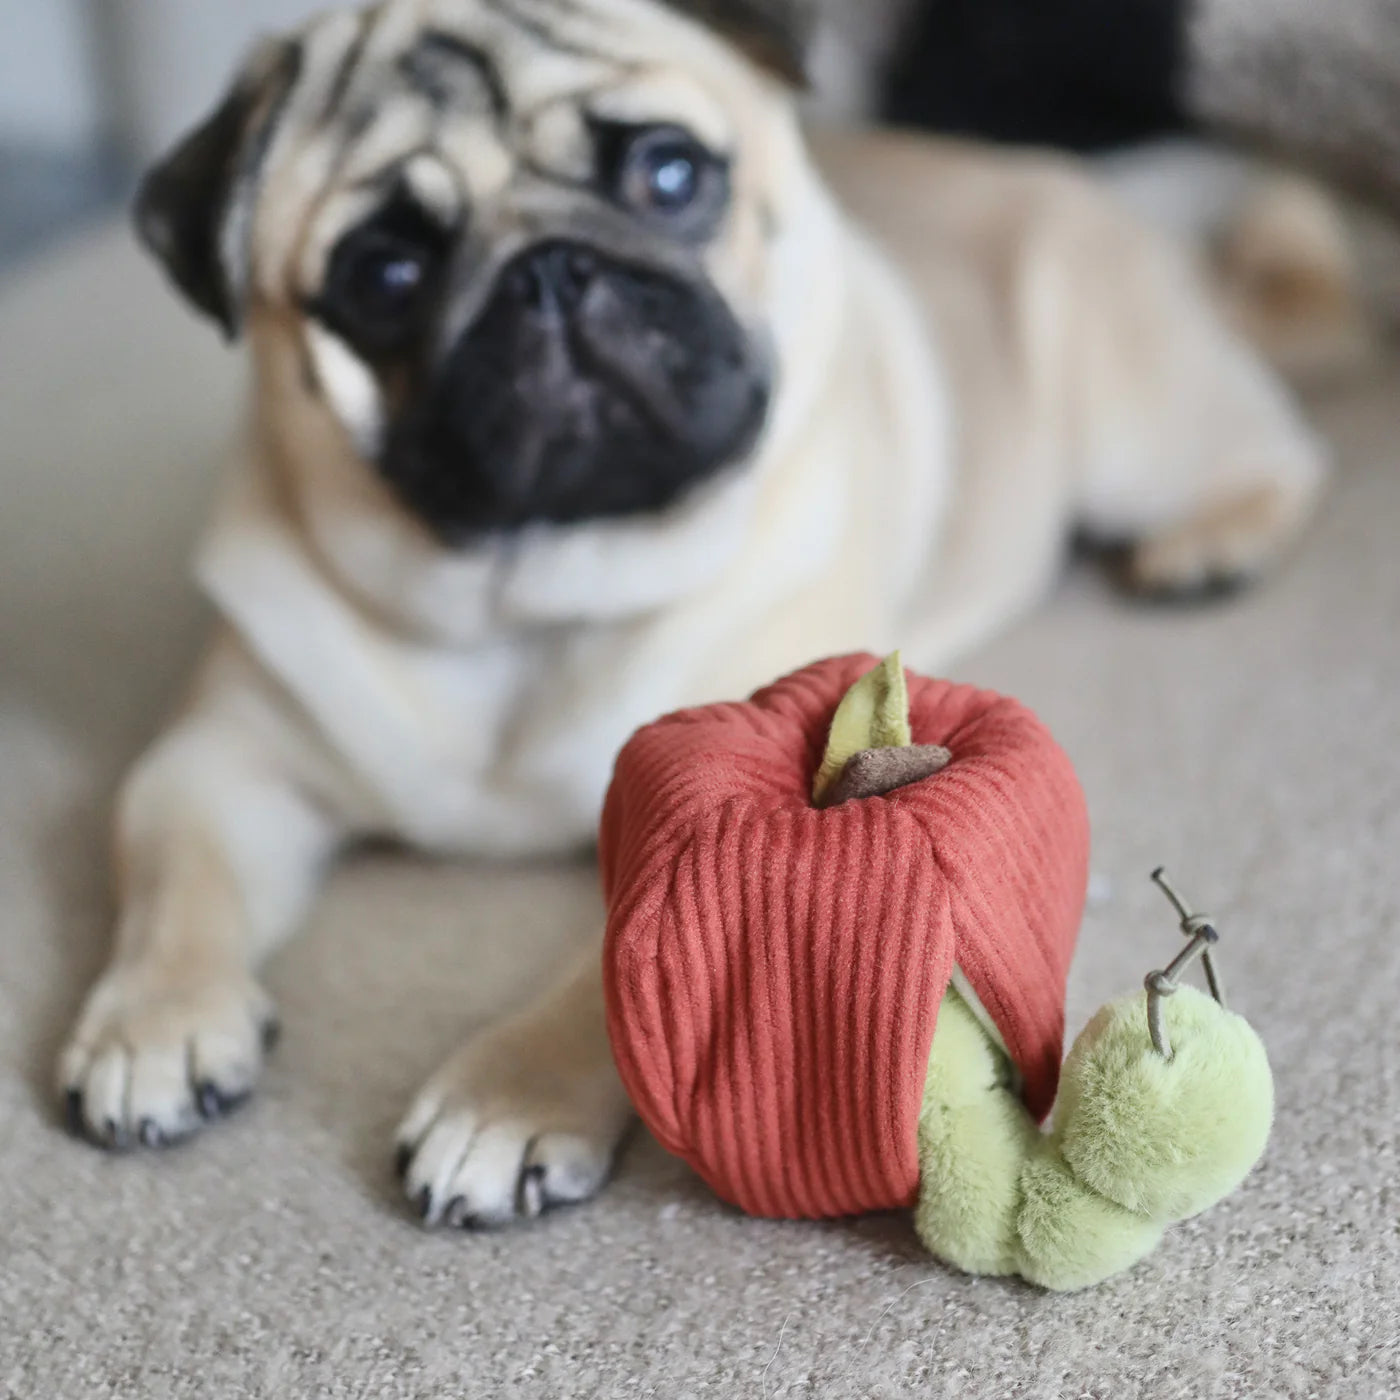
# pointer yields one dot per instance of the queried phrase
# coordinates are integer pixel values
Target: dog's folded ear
(776, 34)
(194, 209)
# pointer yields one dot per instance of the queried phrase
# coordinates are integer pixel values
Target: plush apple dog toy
(841, 918)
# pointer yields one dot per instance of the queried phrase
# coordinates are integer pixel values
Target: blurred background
(91, 89)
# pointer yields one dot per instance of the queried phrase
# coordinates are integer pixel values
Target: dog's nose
(553, 277)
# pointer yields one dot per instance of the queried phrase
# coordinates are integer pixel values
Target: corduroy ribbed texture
(774, 972)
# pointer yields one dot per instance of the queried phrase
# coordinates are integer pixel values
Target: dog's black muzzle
(587, 388)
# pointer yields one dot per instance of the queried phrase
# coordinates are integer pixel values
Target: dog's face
(520, 246)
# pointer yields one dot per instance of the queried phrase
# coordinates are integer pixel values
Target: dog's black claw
(73, 1113)
(152, 1135)
(423, 1202)
(271, 1036)
(209, 1101)
(533, 1201)
(214, 1102)
(1215, 588)
(114, 1138)
(403, 1159)
(455, 1217)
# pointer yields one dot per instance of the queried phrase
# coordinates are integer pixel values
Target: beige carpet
(1255, 748)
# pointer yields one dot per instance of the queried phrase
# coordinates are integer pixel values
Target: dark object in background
(1083, 74)
(1314, 80)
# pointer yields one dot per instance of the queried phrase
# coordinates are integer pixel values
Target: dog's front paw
(155, 1057)
(1163, 1138)
(514, 1123)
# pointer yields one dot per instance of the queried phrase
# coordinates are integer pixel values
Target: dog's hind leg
(1097, 388)
(220, 845)
(1196, 460)
(1186, 450)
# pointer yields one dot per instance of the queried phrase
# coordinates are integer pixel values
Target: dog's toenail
(532, 1193)
(424, 1202)
(403, 1159)
(151, 1135)
(209, 1100)
(271, 1036)
(73, 1112)
(215, 1102)
(456, 1214)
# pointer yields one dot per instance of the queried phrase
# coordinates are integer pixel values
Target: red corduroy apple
(775, 971)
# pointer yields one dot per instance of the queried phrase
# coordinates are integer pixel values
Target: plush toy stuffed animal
(839, 937)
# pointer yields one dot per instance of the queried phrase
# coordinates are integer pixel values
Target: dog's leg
(526, 1115)
(1193, 457)
(218, 851)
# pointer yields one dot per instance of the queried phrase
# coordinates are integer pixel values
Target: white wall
(173, 58)
(49, 90)
(142, 70)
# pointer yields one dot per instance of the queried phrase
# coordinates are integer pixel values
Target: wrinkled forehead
(444, 75)
(460, 98)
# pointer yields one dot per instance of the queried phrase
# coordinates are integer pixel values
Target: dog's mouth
(586, 389)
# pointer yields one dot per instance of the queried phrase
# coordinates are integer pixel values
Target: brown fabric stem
(879, 772)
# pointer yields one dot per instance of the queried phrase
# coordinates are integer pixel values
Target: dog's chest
(501, 749)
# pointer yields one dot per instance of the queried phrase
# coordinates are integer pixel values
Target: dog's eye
(663, 172)
(381, 283)
(384, 278)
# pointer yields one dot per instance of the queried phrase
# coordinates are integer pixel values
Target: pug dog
(587, 386)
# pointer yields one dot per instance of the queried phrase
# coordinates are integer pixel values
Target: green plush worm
(1139, 1140)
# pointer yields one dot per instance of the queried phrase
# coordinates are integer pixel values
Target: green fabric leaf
(874, 715)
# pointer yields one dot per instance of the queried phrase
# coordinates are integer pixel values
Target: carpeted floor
(1255, 748)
